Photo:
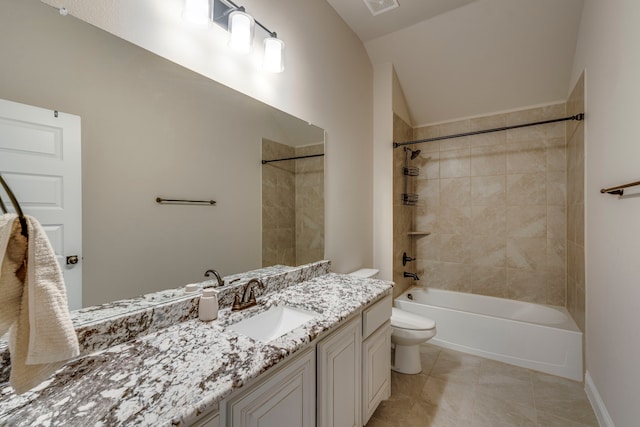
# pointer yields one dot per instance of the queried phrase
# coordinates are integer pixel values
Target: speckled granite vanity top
(171, 375)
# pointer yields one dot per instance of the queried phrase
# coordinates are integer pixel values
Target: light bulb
(241, 29)
(273, 60)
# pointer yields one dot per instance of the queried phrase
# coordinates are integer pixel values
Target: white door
(40, 161)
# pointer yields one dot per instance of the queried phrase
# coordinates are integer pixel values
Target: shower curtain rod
(578, 117)
(264, 162)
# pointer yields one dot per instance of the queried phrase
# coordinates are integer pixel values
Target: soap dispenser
(208, 306)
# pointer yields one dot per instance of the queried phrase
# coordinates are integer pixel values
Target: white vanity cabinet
(338, 382)
(338, 376)
(376, 356)
(354, 368)
(286, 398)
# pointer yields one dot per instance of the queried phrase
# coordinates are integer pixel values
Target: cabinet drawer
(376, 315)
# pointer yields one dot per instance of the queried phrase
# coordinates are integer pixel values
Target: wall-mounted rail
(578, 117)
(264, 162)
(619, 190)
(185, 202)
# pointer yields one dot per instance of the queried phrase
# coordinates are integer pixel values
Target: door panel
(40, 159)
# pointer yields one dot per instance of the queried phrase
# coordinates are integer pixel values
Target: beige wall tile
(429, 192)
(556, 155)
(489, 281)
(429, 164)
(489, 160)
(526, 189)
(556, 254)
(527, 253)
(527, 221)
(489, 220)
(547, 112)
(556, 188)
(454, 220)
(428, 248)
(488, 190)
(455, 248)
(556, 222)
(527, 285)
(426, 218)
(556, 285)
(489, 122)
(455, 191)
(489, 251)
(527, 157)
(455, 163)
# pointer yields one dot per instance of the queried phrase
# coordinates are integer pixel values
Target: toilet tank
(367, 273)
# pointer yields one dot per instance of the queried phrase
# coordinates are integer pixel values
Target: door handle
(72, 259)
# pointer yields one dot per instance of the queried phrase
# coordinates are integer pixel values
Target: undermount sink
(273, 323)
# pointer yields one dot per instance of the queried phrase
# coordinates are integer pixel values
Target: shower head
(414, 153)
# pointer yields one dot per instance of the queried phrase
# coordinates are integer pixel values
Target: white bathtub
(540, 337)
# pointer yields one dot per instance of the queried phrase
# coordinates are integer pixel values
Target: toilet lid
(405, 320)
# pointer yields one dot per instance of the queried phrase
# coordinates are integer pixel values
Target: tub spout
(414, 276)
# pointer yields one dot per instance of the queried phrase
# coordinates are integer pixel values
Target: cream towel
(41, 337)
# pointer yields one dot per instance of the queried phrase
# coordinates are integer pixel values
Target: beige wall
(495, 204)
(327, 81)
(575, 207)
(149, 128)
(607, 51)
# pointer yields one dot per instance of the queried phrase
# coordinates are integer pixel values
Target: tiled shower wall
(292, 205)
(309, 181)
(278, 206)
(575, 208)
(495, 204)
(403, 216)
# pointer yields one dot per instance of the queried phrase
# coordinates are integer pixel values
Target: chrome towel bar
(185, 202)
(619, 190)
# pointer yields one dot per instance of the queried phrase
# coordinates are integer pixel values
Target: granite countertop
(171, 376)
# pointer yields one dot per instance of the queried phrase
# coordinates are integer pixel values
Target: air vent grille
(380, 6)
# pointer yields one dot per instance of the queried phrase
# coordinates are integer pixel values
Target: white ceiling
(464, 58)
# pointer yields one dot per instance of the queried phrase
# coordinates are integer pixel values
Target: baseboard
(596, 402)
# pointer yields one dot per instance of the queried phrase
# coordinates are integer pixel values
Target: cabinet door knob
(72, 259)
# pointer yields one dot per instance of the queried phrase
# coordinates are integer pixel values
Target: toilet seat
(405, 320)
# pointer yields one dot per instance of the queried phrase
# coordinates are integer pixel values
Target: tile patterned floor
(457, 389)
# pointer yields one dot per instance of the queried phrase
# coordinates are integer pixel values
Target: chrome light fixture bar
(241, 27)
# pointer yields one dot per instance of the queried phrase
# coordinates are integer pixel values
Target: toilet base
(407, 359)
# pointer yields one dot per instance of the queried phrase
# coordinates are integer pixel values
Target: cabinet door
(339, 377)
(285, 399)
(376, 368)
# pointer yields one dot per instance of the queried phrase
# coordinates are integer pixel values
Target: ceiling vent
(380, 6)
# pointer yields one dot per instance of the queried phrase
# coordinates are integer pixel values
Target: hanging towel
(41, 335)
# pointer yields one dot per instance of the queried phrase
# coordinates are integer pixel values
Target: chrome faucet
(414, 276)
(208, 273)
(248, 296)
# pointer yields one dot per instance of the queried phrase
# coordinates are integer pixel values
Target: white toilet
(408, 331)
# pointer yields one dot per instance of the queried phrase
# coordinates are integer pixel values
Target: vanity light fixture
(241, 28)
(197, 12)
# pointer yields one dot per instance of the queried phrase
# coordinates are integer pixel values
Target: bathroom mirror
(151, 128)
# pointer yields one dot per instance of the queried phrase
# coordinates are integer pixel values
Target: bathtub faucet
(414, 276)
